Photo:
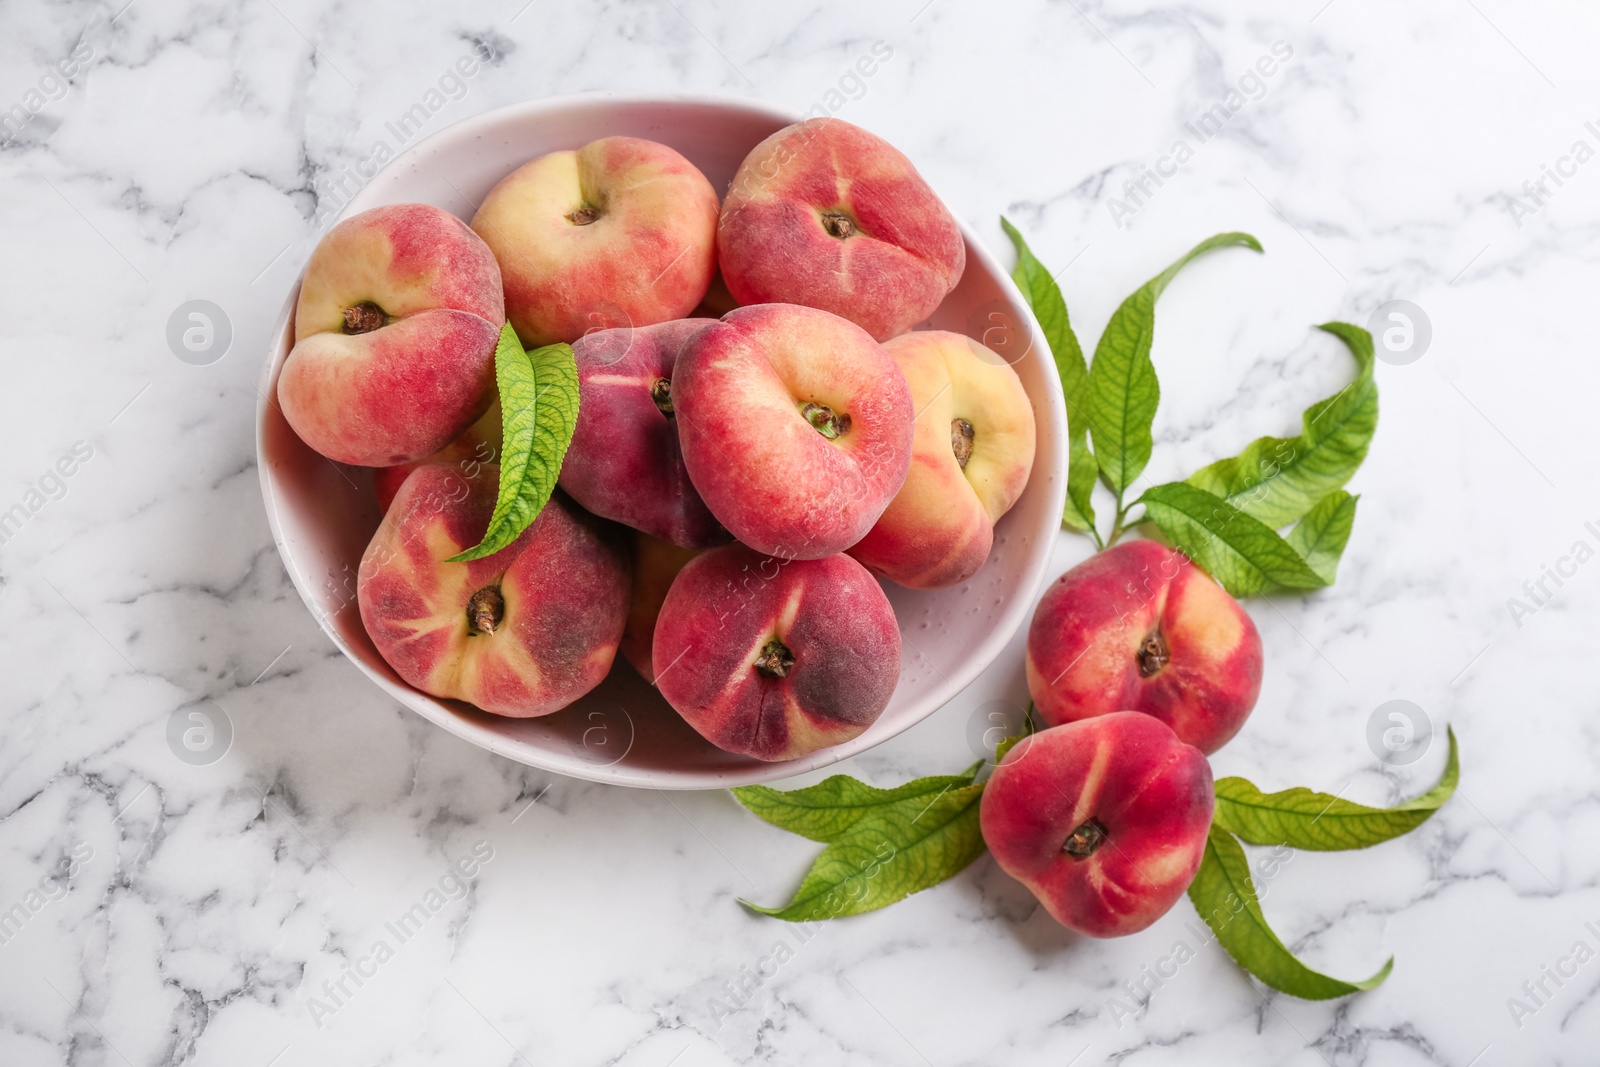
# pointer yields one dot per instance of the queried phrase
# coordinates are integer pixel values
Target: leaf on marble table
(882, 844)
(823, 812)
(1245, 556)
(1304, 819)
(1225, 896)
(1050, 308)
(1320, 537)
(1280, 479)
(1123, 391)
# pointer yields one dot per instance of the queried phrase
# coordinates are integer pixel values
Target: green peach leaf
(899, 849)
(1006, 744)
(1245, 556)
(1320, 537)
(1279, 479)
(1301, 818)
(1050, 308)
(1123, 391)
(1225, 896)
(539, 410)
(823, 812)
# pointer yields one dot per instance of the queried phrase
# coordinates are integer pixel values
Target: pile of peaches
(761, 433)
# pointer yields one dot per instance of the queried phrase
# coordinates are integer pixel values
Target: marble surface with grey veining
(252, 910)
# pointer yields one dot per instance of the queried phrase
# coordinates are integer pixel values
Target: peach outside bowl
(322, 514)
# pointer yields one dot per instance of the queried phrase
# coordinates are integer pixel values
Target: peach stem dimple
(824, 421)
(838, 224)
(961, 438)
(364, 317)
(1153, 655)
(485, 610)
(1082, 842)
(661, 393)
(583, 215)
(775, 659)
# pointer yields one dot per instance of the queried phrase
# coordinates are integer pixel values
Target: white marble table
(179, 913)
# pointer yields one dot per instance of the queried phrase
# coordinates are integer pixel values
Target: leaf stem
(1121, 525)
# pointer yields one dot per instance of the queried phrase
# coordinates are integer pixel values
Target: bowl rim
(952, 684)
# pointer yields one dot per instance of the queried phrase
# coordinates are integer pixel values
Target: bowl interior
(323, 514)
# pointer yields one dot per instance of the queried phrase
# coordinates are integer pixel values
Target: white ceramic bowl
(323, 515)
